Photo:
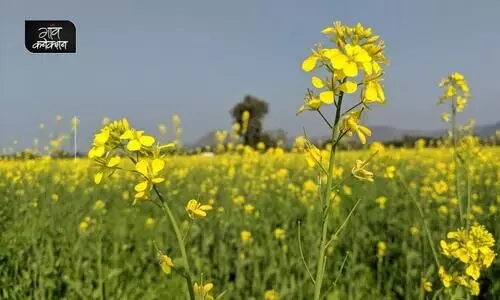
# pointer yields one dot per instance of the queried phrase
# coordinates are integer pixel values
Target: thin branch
(304, 260)
(343, 224)
(324, 118)
(340, 271)
(352, 108)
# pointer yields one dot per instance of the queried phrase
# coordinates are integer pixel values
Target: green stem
(325, 206)
(455, 158)
(469, 187)
(180, 242)
(99, 249)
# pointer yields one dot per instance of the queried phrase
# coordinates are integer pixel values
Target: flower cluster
(455, 87)
(356, 51)
(473, 248)
(118, 139)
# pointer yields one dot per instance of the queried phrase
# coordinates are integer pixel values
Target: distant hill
(387, 133)
(380, 133)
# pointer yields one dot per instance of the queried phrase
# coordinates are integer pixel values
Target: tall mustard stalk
(320, 269)
(354, 61)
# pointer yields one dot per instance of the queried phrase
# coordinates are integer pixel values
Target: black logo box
(62, 42)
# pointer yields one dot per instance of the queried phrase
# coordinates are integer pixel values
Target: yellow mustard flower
(196, 210)
(426, 285)
(271, 295)
(279, 233)
(150, 172)
(165, 263)
(360, 172)
(246, 236)
(381, 201)
(351, 125)
(203, 292)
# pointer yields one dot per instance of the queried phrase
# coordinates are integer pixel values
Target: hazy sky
(148, 59)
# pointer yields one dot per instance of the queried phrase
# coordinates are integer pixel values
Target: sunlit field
(138, 217)
(55, 243)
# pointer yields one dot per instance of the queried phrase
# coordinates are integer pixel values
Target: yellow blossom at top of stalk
(356, 48)
(455, 87)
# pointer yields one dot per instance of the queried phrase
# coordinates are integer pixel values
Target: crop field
(57, 243)
(138, 217)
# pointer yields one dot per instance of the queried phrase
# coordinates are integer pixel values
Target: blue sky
(148, 59)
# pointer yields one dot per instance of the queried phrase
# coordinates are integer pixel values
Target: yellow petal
(102, 137)
(114, 161)
(127, 135)
(462, 254)
(206, 207)
(350, 69)
(339, 61)
(158, 180)
(141, 187)
(362, 137)
(361, 55)
(158, 165)
(368, 67)
(371, 92)
(309, 63)
(314, 103)
(208, 287)
(166, 266)
(365, 130)
(98, 151)
(191, 204)
(317, 82)
(380, 92)
(326, 97)
(134, 145)
(91, 153)
(200, 213)
(142, 167)
(98, 177)
(147, 140)
(349, 87)
(473, 271)
(349, 49)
